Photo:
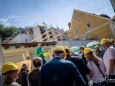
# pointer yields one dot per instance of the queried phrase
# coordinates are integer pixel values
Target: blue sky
(56, 12)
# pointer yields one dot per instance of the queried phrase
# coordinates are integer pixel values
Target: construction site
(20, 48)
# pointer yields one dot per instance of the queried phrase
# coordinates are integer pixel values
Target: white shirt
(97, 75)
(109, 54)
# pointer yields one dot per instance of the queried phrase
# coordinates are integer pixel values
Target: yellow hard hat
(86, 51)
(112, 40)
(9, 66)
(104, 40)
(66, 48)
(109, 40)
(96, 46)
(60, 48)
(46, 54)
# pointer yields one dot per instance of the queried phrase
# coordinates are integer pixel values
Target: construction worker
(39, 52)
(60, 72)
(109, 60)
(96, 66)
(98, 52)
(10, 72)
(34, 74)
(78, 63)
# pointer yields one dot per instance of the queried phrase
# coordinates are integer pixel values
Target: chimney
(69, 24)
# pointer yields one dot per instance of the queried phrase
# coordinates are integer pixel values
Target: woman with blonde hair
(96, 66)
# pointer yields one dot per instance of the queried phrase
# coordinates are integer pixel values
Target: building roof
(32, 44)
(92, 14)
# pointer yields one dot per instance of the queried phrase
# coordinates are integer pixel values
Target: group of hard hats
(9, 66)
(104, 40)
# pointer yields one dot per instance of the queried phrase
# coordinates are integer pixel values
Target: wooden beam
(46, 37)
(40, 36)
(97, 27)
(56, 36)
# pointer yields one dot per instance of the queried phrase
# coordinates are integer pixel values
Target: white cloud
(5, 21)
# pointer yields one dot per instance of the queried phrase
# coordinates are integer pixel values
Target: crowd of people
(66, 69)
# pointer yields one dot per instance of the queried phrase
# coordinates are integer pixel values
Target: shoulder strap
(99, 69)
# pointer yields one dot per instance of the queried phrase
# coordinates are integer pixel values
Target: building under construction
(39, 34)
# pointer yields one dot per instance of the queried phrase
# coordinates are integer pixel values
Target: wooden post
(1, 55)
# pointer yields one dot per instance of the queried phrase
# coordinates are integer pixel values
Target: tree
(1, 26)
(6, 31)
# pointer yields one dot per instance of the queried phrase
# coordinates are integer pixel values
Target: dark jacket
(59, 72)
(34, 77)
(80, 65)
(12, 84)
(23, 78)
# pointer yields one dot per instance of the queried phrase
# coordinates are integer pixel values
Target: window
(88, 25)
(78, 20)
(76, 31)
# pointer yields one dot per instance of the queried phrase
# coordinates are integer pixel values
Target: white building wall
(17, 39)
(47, 34)
(36, 32)
(74, 43)
(25, 38)
(22, 38)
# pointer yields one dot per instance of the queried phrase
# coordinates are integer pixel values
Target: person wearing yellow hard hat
(78, 63)
(60, 72)
(67, 50)
(10, 72)
(96, 67)
(98, 52)
(109, 59)
(112, 43)
(61, 50)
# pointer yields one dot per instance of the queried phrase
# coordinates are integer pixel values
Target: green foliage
(7, 31)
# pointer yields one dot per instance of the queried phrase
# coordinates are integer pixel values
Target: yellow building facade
(89, 26)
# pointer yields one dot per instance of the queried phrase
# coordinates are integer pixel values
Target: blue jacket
(59, 72)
